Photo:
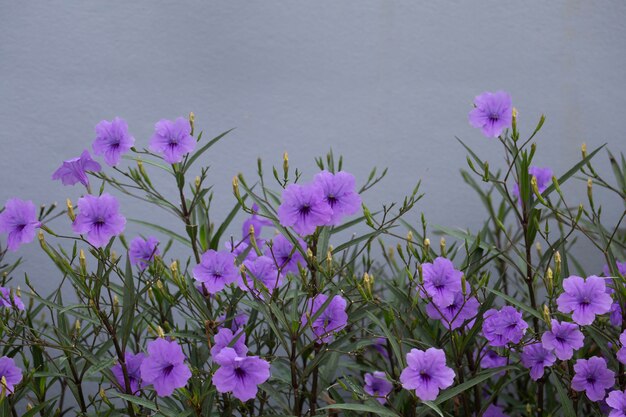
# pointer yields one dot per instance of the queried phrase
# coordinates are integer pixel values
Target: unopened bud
(29, 407)
(113, 256)
(368, 283)
(160, 332)
(42, 240)
(546, 316)
(70, 209)
(538, 247)
(426, 245)
(77, 326)
(583, 150)
(192, 122)
(198, 181)
(309, 254)
(464, 284)
(535, 188)
(420, 274)
(103, 394)
(116, 304)
(285, 164)
(236, 187)
(82, 260)
(590, 191)
(442, 246)
(557, 264)
(549, 281)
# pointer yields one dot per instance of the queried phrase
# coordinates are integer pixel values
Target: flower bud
(236, 188)
(590, 191)
(546, 316)
(464, 284)
(192, 122)
(368, 283)
(426, 245)
(557, 264)
(583, 150)
(538, 248)
(442, 246)
(113, 256)
(82, 260)
(420, 274)
(160, 332)
(70, 209)
(285, 165)
(549, 281)
(197, 182)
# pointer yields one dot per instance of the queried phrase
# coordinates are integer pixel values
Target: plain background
(384, 83)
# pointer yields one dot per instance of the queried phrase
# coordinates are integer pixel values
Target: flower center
(20, 227)
(240, 373)
(494, 117)
(305, 210)
(168, 370)
(425, 376)
(99, 222)
(332, 200)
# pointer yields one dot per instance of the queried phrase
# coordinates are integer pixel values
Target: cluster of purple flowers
(442, 284)
(324, 202)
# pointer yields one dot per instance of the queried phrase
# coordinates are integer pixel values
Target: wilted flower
(112, 140)
(11, 374)
(19, 221)
(564, 338)
(74, 170)
(331, 320)
(142, 252)
(172, 139)
(303, 208)
(339, 193)
(493, 113)
(262, 269)
(164, 367)
(377, 385)
(584, 298)
(240, 375)
(621, 354)
(133, 370)
(535, 357)
(223, 339)
(285, 254)
(457, 313)
(593, 377)
(99, 218)
(492, 360)
(10, 300)
(216, 270)
(441, 281)
(503, 326)
(426, 373)
(617, 401)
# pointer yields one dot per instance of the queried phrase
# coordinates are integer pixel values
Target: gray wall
(384, 83)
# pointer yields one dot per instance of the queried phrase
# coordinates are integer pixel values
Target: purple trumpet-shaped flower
(426, 373)
(492, 360)
(493, 112)
(75, 170)
(240, 375)
(377, 385)
(99, 218)
(339, 193)
(441, 281)
(457, 313)
(133, 370)
(216, 270)
(164, 367)
(11, 373)
(584, 298)
(112, 140)
(223, 339)
(564, 338)
(621, 354)
(9, 299)
(617, 401)
(503, 326)
(256, 222)
(303, 207)
(142, 252)
(535, 357)
(593, 377)
(285, 254)
(262, 269)
(172, 139)
(19, 221)
(331, 320)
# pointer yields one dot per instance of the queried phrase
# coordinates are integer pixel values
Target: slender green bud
(442, 246)
(549, 281)
(70, 209)
(192, 122)
(546, 316)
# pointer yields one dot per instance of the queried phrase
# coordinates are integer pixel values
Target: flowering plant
(301, 315)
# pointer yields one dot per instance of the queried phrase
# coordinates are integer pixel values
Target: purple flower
(11, 374)
(593, 377)
(535, 357)
(492, 360)
(164, 367)
(621, 354)
(255, 221)
(454, 315)
(74, 170)
(493, 113)
(216, 270)
(380, 344)
(564, 339)
(617, 401)
(133, 370)
(331, 320)
(99, 218)
(239, 248)
(262, 269)
(285, 253)
(621, 268)
(142, 252)
(238, 321)
(544, 179)
(19, 221)
(441, 281)
(112, 140)
(503, 326)
(494, 411)
(339, 193)
(303, 208)
(223, 339)
(615, 314)
(585, 298)
(172, 139)
(377, 385)
(426, 373)
(240, 375)
(10, 300)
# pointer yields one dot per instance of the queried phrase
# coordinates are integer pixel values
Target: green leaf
(203, 149)
(567, 408)
(458, 389)
(139, 401)
(128, 306)
(163, 230)
(378, 410)
(516, 303)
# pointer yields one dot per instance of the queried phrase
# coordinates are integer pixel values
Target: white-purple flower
(240, 375)
(142, 251)
(10, 374)
(285, 254)
(503, 326)
(224, 338)
(621, 353)
(164, 367)
(617, 401)
(332, 319)
(564, 338)
(133, 371)
(457, 313)
(303, 207)
(584, 298)
(19, 221)
(216, 270)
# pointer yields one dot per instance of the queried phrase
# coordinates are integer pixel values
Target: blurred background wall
(385, 83)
